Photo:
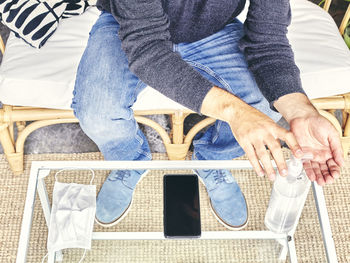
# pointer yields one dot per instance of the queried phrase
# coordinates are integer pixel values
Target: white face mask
(72, 216)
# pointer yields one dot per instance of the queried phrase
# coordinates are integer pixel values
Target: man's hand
(253, 130)
(315, 135)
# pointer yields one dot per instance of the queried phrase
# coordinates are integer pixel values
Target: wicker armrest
(2, 45)
(345, 21)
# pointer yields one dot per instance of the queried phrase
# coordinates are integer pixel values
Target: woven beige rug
(146, 215)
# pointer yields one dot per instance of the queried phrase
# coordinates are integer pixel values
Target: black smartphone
(181, 206)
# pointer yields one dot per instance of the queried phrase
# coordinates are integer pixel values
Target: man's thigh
(103, 76)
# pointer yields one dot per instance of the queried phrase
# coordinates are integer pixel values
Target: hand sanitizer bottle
(287, 198)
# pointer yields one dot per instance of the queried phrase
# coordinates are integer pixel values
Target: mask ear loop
(81, 260)
(65, 169)
(42, 261)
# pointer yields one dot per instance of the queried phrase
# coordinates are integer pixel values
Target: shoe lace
(120, 175)
(219, 176)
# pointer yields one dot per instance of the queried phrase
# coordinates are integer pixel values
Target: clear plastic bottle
(287, 198)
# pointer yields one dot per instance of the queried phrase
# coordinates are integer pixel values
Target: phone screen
(181, 206)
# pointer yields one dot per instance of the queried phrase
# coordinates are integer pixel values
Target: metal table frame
(39, 170)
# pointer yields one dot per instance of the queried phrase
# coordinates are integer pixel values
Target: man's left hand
(316, 135)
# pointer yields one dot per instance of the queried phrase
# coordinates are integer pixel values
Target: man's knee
(98, 123)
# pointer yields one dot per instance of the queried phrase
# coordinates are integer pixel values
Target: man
(191, 51)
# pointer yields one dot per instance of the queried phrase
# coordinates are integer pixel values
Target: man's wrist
(221, 104)
(295, 105)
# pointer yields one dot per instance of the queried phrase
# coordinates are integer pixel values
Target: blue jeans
(105, 91)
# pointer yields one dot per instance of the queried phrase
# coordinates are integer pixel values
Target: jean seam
(211, 72)
(144, 153)
(200, 142)
(138, 85)
(223, 151)
(94, 29)
(140, 151)
(218, 123)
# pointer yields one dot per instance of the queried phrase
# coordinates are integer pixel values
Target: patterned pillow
(35, 21)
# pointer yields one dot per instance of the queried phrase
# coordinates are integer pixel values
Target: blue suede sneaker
(226, 198)
(115, 197)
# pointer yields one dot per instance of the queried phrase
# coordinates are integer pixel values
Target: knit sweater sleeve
(144, 32)
(267, 49)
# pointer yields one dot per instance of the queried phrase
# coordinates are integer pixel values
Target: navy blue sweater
(148, 28)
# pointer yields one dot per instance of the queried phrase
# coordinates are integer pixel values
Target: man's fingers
(277, 154)
(265, 159)
(249, 150)
(319, 177)
(333, 168)
(326, 173)
(291, 141)
(337, 150)
(309, 171)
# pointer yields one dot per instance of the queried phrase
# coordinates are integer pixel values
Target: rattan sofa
(176, 142)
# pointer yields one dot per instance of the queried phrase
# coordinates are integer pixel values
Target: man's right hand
(253, 130)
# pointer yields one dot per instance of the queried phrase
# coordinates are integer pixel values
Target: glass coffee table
(279, 247)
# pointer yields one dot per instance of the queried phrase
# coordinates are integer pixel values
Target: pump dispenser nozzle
(295, 166)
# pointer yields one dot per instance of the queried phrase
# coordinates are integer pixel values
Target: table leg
(292, 250)
(27, 216)
(51, 258)
(44, 199)
(324, 223)
(284, 250)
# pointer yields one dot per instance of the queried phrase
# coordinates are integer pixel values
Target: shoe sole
(126, 210)
(236, 228)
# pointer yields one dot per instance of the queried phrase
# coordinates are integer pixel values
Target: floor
(69, 138)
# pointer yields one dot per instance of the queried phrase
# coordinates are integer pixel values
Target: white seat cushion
(45, 77)
(320, 52)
